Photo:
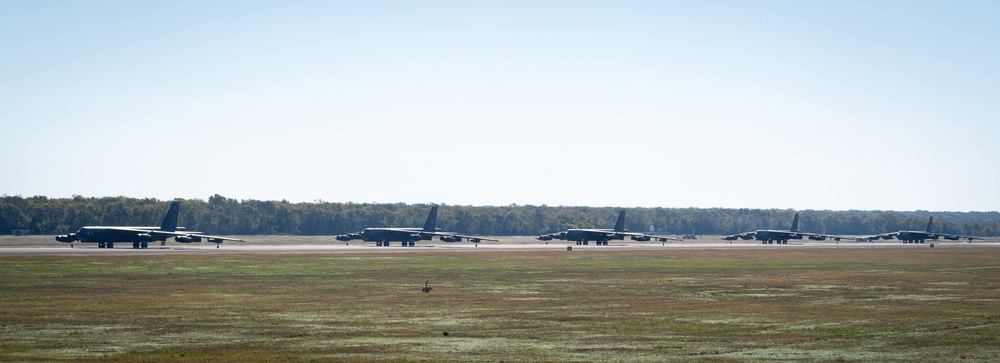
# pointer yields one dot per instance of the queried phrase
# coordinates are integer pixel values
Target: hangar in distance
(409, 236)
(771, 236)
(106, 237)
(602, 236)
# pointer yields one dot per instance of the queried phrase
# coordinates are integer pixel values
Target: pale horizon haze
(839, 105)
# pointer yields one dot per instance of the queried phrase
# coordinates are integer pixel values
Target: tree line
(221, 215)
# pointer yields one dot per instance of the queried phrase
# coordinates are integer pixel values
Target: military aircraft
(602, 236)
(105, 237)
(770, 236)
(920, 236)
(408, 236)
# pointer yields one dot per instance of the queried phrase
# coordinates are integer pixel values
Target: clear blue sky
(891, 105)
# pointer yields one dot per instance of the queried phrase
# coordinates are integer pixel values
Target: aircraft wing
(187, 237)
(477, 239)
(454, 237)
(215, 239)
(880, 236)
(956, 237)
(822, 237)
(642, 237)
(744, 236)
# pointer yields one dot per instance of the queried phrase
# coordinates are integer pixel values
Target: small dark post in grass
(569, 248)
(445, 333)
(427, 288)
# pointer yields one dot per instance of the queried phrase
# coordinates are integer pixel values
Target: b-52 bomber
(770, 236)
(920, 236)
(602, 236)
(409, 236)
(105, 237)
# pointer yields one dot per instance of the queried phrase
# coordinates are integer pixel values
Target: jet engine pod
(818, 238)
(67, 238)
(451, 239)
(187, 239)
(640, 238)
(146, 237)
(544, 237)
(348, 237)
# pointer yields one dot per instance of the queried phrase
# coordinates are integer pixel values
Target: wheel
(144, 245)
(135, 244)
(111, 245)
(100, 244)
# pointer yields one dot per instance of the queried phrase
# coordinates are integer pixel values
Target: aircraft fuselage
(393, 235)
(601, 236)
(782, 237)
(101, 234)
(915, 236)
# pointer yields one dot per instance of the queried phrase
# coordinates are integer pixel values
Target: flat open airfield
(313, 298)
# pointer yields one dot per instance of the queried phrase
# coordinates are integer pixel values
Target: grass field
(828, 304)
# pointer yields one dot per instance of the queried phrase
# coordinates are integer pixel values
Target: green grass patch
(883, 304)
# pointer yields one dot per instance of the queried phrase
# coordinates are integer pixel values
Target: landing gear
(105, 245)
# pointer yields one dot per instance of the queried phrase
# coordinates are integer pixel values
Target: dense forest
(221, 215)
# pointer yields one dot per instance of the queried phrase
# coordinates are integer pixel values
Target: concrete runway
(435, 246)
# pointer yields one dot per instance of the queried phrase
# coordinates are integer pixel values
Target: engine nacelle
(451, 239)
(818, 238)
(67, 238)
(475, 240)
(216, 240)
(348, 237)
(146, 237)
(544, 237)
(640, 238)
(187, 239)
(953, 237)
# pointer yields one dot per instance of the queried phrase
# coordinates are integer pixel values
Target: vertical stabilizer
(795, 223)
(170, 220)
(432, 218)
(930, 225)
(620, 224)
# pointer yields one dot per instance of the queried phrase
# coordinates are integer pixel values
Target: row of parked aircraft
(106, 237)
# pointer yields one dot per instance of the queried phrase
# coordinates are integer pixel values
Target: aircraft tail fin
(170, 220)
(795, 223)
(930, 224)
(431, 223)
(620, 224)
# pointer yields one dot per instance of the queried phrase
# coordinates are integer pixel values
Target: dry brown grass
(849, 304)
